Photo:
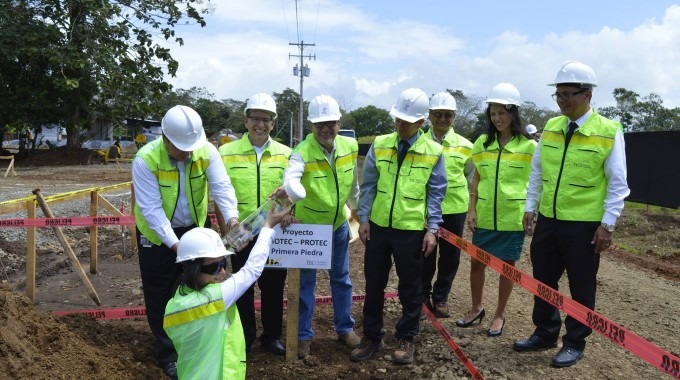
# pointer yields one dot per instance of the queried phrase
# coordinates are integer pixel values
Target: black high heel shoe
(478, 319)
(495, 333)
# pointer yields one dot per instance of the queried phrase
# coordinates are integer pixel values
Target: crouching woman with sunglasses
(201, 318)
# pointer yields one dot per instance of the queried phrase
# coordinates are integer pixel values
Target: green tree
(287, 108)
(638, 114)
(215, 114)
(468, 109)
(236, 112)
(104, 59)
(532, 114)
(28, 90)
(368, 121)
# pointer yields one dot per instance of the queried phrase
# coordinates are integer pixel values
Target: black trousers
(271, 284)
(405, 247)
(558, 246)
(160, 277)
(447, 265)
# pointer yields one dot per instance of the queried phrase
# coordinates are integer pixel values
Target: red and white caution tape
(140, 311)
(640, 347)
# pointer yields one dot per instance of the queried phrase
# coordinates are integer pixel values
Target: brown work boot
(441, 309)
(366, 350)
(405, 352)
(303, 348)
(351, 339)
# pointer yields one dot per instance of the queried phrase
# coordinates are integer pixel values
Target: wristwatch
(433, 231)
(608, 227)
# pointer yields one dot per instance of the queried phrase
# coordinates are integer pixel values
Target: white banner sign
(305, 246)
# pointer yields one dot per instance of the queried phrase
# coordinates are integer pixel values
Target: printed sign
(304, 246)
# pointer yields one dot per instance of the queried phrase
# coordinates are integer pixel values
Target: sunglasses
(214, 268)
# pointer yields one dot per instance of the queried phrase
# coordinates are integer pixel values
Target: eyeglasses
(327, 124)
(446, 115)
(567, 95)
(257, 120)
(214, 268)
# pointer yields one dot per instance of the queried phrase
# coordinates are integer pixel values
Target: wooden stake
(94, 233)
(11, 165)
(30, 252)
(292, 316)
(67, 247)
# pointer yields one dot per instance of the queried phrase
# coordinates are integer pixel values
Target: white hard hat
(443, 101)
(184, 128)
(504, 93)
(200, 242)
(261, 101)
(323, 108)
(531, 129)
(412, 105)
(577, 73)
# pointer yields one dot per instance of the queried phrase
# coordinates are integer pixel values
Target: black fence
(653, 172)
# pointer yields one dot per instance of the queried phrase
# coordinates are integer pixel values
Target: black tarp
(653, 171)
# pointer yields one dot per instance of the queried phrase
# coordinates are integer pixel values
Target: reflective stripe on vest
(327, 189)
(504, 178)
(401, 194)
(157, 160)
(208, 339)
(253, 182)
(574, 184)
(456, 151)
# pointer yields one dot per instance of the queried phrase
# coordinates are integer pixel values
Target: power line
(301, 70)
(297, 21)
(285, 20)
(316, 27)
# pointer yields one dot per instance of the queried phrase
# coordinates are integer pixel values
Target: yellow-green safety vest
(157, 160)
(574, 184)
(457, 151)
(401, 194)
(253, 182)
(327, 188)
(503, 182)
(208, 339)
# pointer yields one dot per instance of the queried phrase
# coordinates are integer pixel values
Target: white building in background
(53, 133)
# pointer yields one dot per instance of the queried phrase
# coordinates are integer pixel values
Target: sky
(367, 52)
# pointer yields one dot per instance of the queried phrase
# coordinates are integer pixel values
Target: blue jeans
(341, 289)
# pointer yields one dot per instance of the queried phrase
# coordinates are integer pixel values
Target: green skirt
(506, 245)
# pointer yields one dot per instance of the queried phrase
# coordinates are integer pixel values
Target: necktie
(403, 149)
(570, 132)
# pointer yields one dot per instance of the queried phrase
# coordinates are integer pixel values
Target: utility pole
(302, 72)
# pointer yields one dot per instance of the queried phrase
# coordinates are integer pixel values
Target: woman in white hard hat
(202, 319)
(502, 158)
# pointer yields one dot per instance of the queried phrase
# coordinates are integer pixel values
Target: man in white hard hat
(325, 164)
(533, 132)
(403, 186)
(459, 167)
(255, 164)
(170, 178)
(577, 186)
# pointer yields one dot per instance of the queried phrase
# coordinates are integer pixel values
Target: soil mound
(39, 345)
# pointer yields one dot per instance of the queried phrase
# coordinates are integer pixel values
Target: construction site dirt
(639, 291)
